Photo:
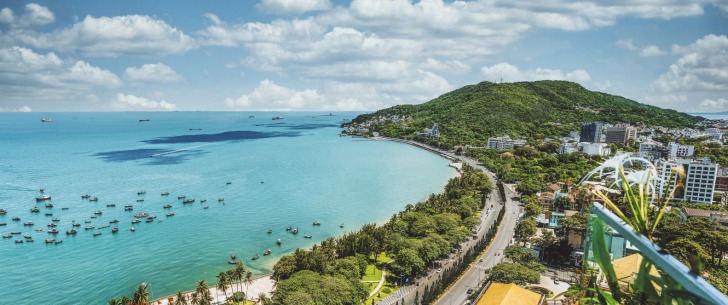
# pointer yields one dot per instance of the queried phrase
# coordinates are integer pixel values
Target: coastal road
(457, 294)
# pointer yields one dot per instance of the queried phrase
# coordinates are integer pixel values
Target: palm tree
(113, 302)
(231, 279)
(239, 273)
(262, 297)
(181, 298)
(204, 293)
(195, 298)
(125, 300)
(223, 281)
(248, 281)
(141, 295)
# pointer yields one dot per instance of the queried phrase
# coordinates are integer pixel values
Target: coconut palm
(125, 300)
(239, 273)
(223, 281)
(262, 297)
(231, 279)
(248, 280)
(181, 298)
(141, 295)
(113, 302)
(195, 298)
(203, 291)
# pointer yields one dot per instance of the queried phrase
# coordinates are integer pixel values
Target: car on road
(556, 281)
(470, 290)
(439, 270)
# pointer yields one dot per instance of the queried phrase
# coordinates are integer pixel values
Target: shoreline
(264, 283)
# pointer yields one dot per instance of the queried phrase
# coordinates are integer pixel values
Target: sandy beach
(262, 284)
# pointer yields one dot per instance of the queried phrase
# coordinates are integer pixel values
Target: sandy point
(262, 284)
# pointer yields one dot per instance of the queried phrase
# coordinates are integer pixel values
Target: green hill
(472, 114)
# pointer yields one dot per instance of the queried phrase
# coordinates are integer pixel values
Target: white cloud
(626, 43)
(6, 15)
(158, 72)
(35, 15)
(702, 67)
(129, 102)
(652, 50)
(26, 74)
(511, 73)
(269, 96)
(133, 35)
(281, 7)
(451, 66)
(21, 109)
(709, 105)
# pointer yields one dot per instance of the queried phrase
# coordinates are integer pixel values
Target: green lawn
(381, 294)
(373, 273)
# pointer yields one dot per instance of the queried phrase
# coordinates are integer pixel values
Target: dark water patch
(156, 156)
(228, 136)
(175, 158)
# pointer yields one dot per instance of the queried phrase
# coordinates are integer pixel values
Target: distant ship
(143, 120)
(195, 128)
(278, 118)
(44, 120)
(251, 116)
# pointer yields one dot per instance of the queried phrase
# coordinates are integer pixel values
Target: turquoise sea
(271, 174)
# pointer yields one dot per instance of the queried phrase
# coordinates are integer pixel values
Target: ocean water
(271, 174)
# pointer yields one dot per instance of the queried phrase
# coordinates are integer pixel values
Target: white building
(650, 150)
(500, 143)
(699, 183)
(675, 150)
(595, 149)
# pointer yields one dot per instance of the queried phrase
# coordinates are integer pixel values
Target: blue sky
(325, 55)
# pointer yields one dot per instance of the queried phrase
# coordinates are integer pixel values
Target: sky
(364, 55)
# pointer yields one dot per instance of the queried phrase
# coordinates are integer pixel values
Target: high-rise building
(621, 133)
(699, 183)
(501, 143)
(590, 132)
(675, 150)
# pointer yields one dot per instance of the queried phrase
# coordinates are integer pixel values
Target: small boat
(132, 229)
(181, 197)
(277, 118)
(233, 256)
(165, 194)
(170, 214)
(143, 120)
(85, 196)
(63, 209)
(114, 221)
(98, 213)
(232, 262)
(168, 206)
(279, 242)
(128, 208)
(316, 223)
(256, 257)
(71, 232)
(341, 225)
(115, 229)
(90, 228)
(43, 198)
(229, 182)
(27, 236)
(111, 205)
(35, 210)
(295, 231)
(7, 236)
(52, 225)
(267, 252)
(94, 199)
(56, 219)
(191, 200)
(141, 192)
(50, 240)
(28, 223)
(2, 224)
(135, 221)
(18, 241)
(251, 116)
(307, 236)
(16, 218)
(220, 199)
(3, 211)
(59, 241)
(206, 207)
(76, 224)
(29, 240)
(53, 231)
(203, 200)
(195, 128)
(86, 221)
(15, 232)
(93, 217)
(270, 231)
(41, 190)
(103, 227)
(44, 120)
(97, 234)
(150, 220)
(48, 205)
(289, 228)
(39, 229)
(140, 200)
(48, 214)
(142, 215)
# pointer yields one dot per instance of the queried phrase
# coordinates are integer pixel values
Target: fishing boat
(141, 192)
(48, 205)
(50, 240)
(76, 224)
(165, 194)
(86, 221)
(220, 199)
(142, 215)
(53, 231)
(97, 234)
(295, 231)
(111, 205)
(341, 225)
(59, 241)
(186, 201)
(181, 197)
(28, 223)
(35, 210)
(52, 225)
(27, 236)
(7, 236)
(56, 219)
(71, 232)
(289, 228)
(168, 206)
(203, 200)
(270, 231)
(170, 214)
(307, 236)
(267, 252)
(195, 128)
(229, 182)
(18, 241)
(150, 220)
(48, 214)
(63, 209)
(251, 116)
(279, 242)
(135, 221)
(90, 227)
(140, 200)
(85, 196)
(114, 221)
(115, 229)
(16, 218)
(316, 223)
(3, 211)
(39, 229)
(256, 257)
(206, 207)
(2, 224)
(132, 229)
(98, 213)
(44, 120)
(15, 232)
(94, 199)
(143, 120)
(277, 118)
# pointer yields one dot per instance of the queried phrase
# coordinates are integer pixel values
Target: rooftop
(508, 294)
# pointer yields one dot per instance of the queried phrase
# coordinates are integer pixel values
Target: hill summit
(472, 114)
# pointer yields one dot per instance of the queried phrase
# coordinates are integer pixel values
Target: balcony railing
(666, 263)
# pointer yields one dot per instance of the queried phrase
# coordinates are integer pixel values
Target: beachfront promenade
(456, 293)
